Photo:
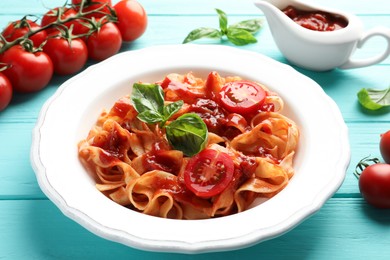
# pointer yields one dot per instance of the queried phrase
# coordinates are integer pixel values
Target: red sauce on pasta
(316, 20)
(135, 165)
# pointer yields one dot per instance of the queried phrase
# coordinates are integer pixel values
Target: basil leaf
(223, 21)
(150, 116)
(188, 133)
(252, 26)
(147, 97)
(203, 32)
(240, 37)
(374, 99)
(172, 108)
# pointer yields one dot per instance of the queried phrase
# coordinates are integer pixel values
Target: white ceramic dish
(69, 114)
(321, 50)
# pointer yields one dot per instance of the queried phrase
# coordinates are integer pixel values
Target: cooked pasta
(248, 151)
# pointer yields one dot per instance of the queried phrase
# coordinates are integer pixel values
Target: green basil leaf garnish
(223, 21)
(202, 32)
(240, 37)
(188, 133)
(240, 33)
(147, 97)
(374, 99)
(252, 26)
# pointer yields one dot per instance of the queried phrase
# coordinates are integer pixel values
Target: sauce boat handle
(377, 31)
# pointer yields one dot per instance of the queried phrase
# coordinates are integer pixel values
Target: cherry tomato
(27, 72)
(5, 91)
(242, 97)
(384, 146)
(68, 57)
(52, 15)
(208, 173)
(105, 42)
(132, 19)
(103, 7)
(20, 28)
(374, 185)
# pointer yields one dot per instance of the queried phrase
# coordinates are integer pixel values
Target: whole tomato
(61, 13)
(374, 185)
(68, 56)
(27, 71)
(20, 28)
(5, 91)
(132, 19)
(105, 42)
(384, 146)
(94, 8)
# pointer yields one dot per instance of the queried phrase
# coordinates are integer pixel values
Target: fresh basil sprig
(241, 33)
(188, 133)
(148, 101)
(374, 99)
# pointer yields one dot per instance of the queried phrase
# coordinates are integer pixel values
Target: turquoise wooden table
(31, 226)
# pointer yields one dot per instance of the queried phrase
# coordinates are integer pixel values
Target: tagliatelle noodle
(120, 154)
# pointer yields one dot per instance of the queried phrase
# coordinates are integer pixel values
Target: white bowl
(320, 163)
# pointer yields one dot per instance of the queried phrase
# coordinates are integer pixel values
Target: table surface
(32, 227)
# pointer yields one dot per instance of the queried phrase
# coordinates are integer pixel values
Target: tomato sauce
(316, 20)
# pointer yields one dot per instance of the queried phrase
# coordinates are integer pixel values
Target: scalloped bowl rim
(68, 115)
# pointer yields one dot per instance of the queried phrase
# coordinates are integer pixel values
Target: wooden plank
(343, 228)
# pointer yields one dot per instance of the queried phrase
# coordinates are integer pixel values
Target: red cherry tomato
(132, 19)
(68, 57)
(384, 146)
(52, 15)
(105, 42)
(242, 97)
(374, 185)
(20, 28)
(101, 7)
(28, 72)
(5, 91)
(208, 173)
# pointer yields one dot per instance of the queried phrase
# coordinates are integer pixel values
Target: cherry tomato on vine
(374, 185)
(242, 97)
(20, 28)
(209, 173)
(105, 42)
(52, 15)
(28, 71)
(5, 91)
(384, 146)
(68, 57)
(99, 8)
(132, 19)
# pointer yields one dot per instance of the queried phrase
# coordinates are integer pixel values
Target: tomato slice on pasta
(242, 97)
(208, 173)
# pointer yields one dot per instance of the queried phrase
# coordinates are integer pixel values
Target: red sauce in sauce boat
(318, 38)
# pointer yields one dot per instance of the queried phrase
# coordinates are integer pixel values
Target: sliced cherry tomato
(208, 173)
(132, 19)
(20, 28)
(105, 42)
(68, 57)
(28, 72)
(242, 97)
(385, 146)
(98, 8)
(374, 185)
(5, 91)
